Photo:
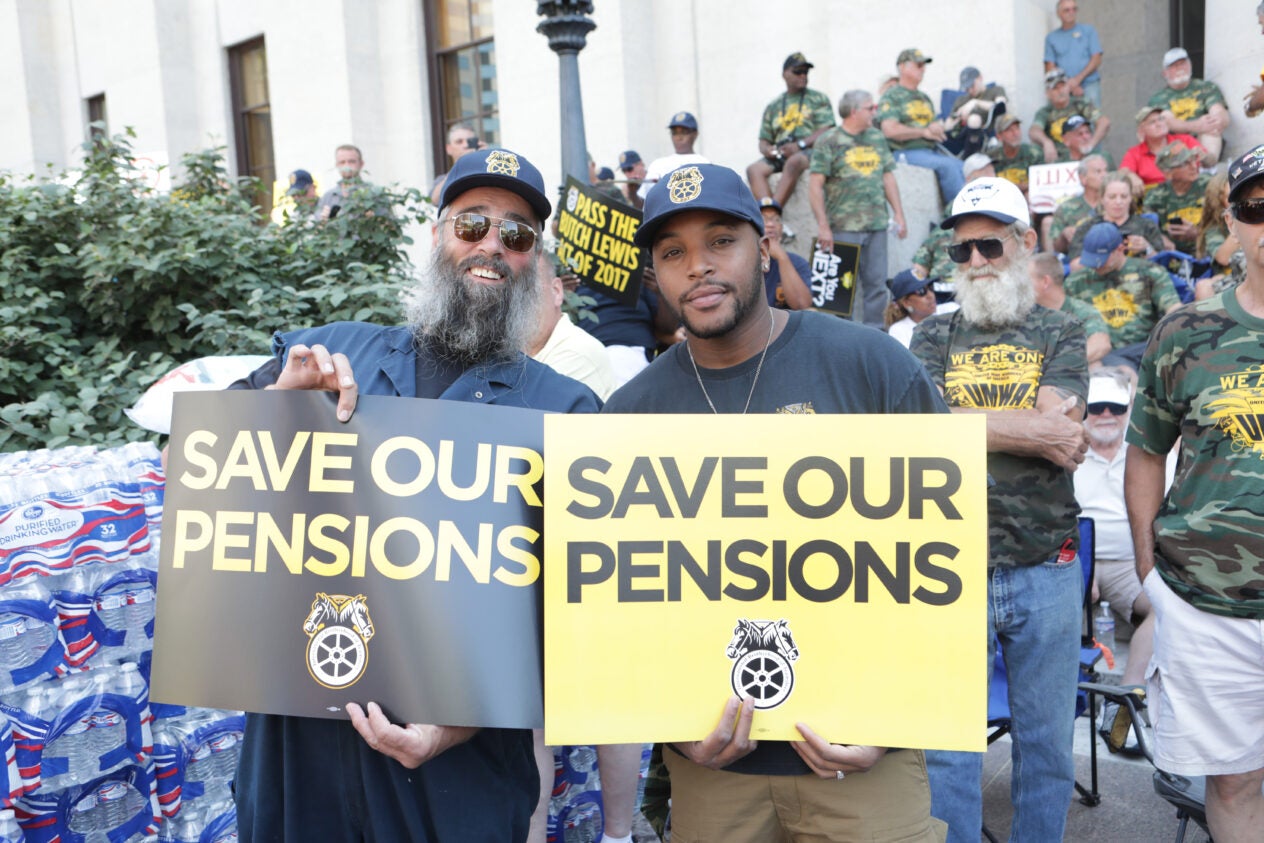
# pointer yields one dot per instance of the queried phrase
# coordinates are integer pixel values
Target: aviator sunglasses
(1250, 212)
(990, 248)
(516, 236)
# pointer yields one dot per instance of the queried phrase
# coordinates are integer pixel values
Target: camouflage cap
(913, 54)
(1244, 171)
(1174, 155)
(1005, 121)
(796, 60)
(697, 187)
(1053, 77)
(1145, 111)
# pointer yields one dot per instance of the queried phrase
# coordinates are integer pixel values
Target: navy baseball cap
(497, 168)
(1074, 122)
(769, 202)
(628, 159)
(300, 180)
(605, 174)
(968, 74)
(1101, 240)
(697, 187)
(906, 282)
(683, 119)
(1245, 170)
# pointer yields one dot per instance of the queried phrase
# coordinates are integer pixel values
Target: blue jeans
(947, 169)
(1035, 614)
(1093, 92)
(870, 303)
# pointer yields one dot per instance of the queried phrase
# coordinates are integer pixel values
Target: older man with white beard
(303, 779)
(1024, 368)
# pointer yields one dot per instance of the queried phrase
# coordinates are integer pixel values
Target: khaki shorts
(1118, 584)
(891, 802)
(1205, 688)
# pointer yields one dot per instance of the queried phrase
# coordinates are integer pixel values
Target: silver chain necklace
(772, 323)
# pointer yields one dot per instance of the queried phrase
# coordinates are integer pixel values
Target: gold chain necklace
(772, 322)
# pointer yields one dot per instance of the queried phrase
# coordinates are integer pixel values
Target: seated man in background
(792, 123)
(1047, 278)
(1099, 489)
(786, 274)
(1077, 210)
(1050, 121)
(1153, 132)
(1013, 157)
(1192, 106)
(907, 117)
(1178, 202)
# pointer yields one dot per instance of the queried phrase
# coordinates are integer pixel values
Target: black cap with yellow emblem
(697, 187)
(1245, 171)
(497, 168)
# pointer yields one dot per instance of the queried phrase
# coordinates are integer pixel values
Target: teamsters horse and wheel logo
(338, 631)
(762, 652)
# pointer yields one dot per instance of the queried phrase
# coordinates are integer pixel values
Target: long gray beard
(995, 303)
(474, 323)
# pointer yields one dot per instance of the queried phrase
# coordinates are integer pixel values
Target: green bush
(106, 285)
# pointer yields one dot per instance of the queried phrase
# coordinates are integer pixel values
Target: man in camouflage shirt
(1075, 211)
(1047, 126)
(907, 119)
(1023, 367)
(792, 123)
(1130, 294)
(1200, 548)
(1012, 158)
(1178, 202)
(1193, 106)
(1048, 280)
(851, 182)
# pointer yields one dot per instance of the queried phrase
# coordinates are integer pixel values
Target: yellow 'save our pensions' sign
(832, 568)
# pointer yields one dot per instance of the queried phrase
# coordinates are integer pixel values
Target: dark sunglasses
(516, 236)
(923, 291)
(1250, 211)
(800, 71)
(990, 248)
(1099, 408)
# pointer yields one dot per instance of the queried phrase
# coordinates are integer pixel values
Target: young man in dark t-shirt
(705, 232)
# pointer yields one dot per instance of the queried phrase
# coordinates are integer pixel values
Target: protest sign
(833, 568)
(306, 563)
(595, 235)
(833, 281)
(1049, 185)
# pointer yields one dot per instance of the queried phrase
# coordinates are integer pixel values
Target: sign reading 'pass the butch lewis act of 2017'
(595, 242)
(307, 563)
(832, 568)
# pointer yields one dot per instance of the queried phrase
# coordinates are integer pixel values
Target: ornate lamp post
(566, 24)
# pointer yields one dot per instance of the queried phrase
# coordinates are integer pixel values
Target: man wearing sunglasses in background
(791, 124)
(1200, 549)
(303, 779)
(1024, 368)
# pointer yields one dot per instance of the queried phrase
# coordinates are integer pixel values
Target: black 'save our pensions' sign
(595, 234)
(396, 558)
(833, 281)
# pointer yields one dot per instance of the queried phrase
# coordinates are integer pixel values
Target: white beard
(995, 302)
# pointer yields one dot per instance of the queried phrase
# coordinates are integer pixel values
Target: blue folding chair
(1184, 268)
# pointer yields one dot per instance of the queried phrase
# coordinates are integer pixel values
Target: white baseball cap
(1174, 55)
(1107, 390)
(992, 197)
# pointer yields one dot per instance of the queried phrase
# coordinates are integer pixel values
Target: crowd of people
(1102, 394)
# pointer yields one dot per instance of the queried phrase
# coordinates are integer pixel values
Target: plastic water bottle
(1104, 626)
(86, 818)
(24, 638)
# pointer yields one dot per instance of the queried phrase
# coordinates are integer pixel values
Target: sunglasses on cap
(990, 248)
(1250, 211)
(1098, 408)
(516, 236)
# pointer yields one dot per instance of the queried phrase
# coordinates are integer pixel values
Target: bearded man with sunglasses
(303, 779)
(1200, 548)
(1024, 367)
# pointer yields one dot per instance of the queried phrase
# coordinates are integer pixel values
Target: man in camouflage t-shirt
(1012, 158)
(1046, 126)
(907, 119)
(1048, 280)
(1200, 548)
(1178, 202)
(851, 182)
(1193, 106)
(1130, 294)
(1075, 211)
(1023, 367)
(792, 123)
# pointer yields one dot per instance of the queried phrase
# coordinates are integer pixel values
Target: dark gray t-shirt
(819, 364)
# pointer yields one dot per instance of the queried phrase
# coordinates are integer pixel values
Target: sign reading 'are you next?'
(595, 233)
(306, 563)
(832, 568)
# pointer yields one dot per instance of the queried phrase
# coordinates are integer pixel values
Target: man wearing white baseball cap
(1193, 106)
(1023, 367)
